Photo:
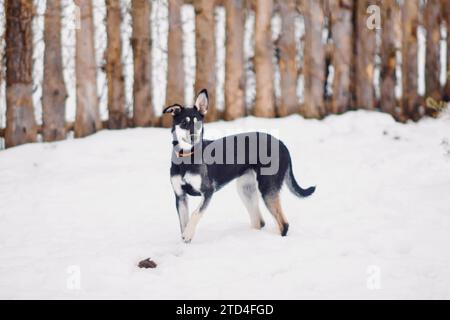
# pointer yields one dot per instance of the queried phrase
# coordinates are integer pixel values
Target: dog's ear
(201, 102)
(173, 109)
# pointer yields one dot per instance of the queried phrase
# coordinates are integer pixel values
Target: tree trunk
(314, 60)
(143, 114)
(342, 55)
(87, 119)
(20, 121)
(388, 57)
(54, 93)
(365, 57)
(433, 56)
(288, 68)
(410, 75)
(117, 118)
(205, 52)
(446, 11)
(265, 99)
(234, 62)
(175, 67)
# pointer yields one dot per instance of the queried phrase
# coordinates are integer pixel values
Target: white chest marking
(195, 180)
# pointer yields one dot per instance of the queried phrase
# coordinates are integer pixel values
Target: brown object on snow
(147, 263)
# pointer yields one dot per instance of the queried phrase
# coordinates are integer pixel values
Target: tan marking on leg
(274, 205)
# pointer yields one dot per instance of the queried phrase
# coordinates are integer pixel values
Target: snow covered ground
(77, 216)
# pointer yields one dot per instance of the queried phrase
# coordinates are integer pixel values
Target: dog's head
(187, 125)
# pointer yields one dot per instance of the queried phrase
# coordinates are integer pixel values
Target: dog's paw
(187, 236)
(262, 224)
(258, 224)
(186, 240)
(284, 229)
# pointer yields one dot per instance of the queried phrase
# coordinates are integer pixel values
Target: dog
(258, 161)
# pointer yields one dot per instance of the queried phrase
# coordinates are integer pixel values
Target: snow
(77, 216)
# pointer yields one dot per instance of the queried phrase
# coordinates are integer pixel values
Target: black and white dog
(201, 167)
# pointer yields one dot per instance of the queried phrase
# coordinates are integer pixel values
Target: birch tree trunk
(87, 120)
(388, 56)
(20, 121)
(234, 62)
(410, 75)
(143, 114)
(432, 64)
(117, 118)
(175, 67)
(365, 57)
(314, 60)
(342, 55)
(54, 93)
(205, 52)
(288, 68)
(265, 99)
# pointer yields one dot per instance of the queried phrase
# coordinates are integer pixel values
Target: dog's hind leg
(272, 202)
(247, 189)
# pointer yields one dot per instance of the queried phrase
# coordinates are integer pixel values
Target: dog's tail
(293, 185)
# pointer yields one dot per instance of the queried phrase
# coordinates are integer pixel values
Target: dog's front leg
(183, 210)
(189, 232)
